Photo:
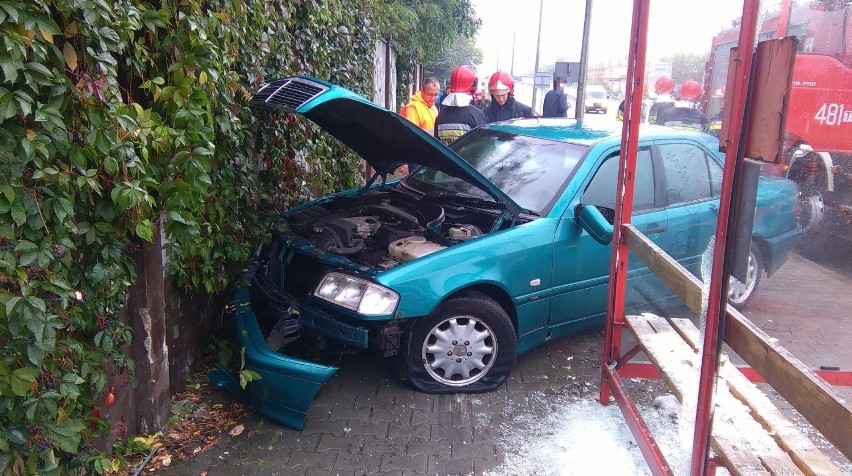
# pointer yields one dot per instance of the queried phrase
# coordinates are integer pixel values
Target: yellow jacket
(420, 113)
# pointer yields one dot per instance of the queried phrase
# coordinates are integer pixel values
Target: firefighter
(684, 115)
(714, 127)
(503, 104)
(458, 116)
(663, 86)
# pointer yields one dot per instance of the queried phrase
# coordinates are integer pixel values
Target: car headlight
(359, 295)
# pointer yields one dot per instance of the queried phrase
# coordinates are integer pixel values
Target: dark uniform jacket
(454, 122)
(511, 110)
(683, 118)
(555, 104)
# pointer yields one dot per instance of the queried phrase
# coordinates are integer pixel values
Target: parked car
(596, 98)
(473, 258)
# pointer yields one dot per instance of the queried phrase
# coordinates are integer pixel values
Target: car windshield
(531, 171)
(597, 94)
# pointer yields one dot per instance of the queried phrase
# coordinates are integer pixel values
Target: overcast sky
(674, 26)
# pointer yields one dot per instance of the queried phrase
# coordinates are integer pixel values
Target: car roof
(579, 132)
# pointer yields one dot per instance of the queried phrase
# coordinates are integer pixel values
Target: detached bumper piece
(287, 386)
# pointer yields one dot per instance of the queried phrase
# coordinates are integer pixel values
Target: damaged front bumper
(287, 385)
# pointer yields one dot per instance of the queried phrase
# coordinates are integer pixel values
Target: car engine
(385, 229)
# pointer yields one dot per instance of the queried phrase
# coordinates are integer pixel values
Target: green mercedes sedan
(476, 256)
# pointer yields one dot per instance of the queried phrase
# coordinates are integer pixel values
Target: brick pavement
(365, 421)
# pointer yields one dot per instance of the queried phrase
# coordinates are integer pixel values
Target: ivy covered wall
(117, 116)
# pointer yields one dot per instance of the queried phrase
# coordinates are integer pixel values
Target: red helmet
(664, 85)
(690, 90)
(501, 82)
(463, 80)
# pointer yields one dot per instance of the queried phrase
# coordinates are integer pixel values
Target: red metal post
(624, 200)
(644, 439)
(718, 281)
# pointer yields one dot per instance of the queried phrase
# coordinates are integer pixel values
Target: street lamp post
(537, 48)
(584, 63)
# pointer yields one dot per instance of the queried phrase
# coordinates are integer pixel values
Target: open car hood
(381, 137)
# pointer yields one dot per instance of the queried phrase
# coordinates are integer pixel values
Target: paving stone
(421, 447)
(324, 460)
(357, 463)
(449, 466)
(400, 462)
(383, 399)
(377, 446)
(304, 442)
(400, 430)
(347, 413)
(335, 427)
(378, 429)
(350, 443)
(420, 415)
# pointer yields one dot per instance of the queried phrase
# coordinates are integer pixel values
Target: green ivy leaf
(8, 106)
(11, 303)
(144, 230)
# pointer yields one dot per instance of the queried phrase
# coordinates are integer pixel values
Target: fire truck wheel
(812, 212)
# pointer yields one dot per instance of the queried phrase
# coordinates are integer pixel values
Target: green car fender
(287, 385)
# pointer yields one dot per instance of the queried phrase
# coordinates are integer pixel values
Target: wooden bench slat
(743, 445)
(807, 457)
(814, 398)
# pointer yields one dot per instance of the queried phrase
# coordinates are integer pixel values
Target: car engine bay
(388, 228)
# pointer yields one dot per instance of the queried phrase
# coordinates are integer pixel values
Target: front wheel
(467, 345)
(740, 293)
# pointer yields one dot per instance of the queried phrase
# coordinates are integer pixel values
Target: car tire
(441, 356)
(739, 293)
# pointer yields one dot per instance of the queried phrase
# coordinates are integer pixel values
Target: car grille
(288, 94)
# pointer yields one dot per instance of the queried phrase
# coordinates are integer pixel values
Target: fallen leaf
(236, 430)
(167, 460)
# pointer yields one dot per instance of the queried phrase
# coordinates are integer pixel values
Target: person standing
(555, 101)
(684, 115)
(503, 104)
(421, 108)
(663, 87)
(458, 116)
(714, 126)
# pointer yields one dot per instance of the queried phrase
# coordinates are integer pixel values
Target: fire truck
(818, 144)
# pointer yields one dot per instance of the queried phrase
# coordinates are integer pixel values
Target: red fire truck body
(818, 149)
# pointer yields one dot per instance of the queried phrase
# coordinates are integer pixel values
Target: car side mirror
(591, 219)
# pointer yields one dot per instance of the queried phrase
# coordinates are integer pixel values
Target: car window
(531, 171)
(687, 173)
(602, 188)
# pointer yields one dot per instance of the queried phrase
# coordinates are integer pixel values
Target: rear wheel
(467, 345)
(740, 293)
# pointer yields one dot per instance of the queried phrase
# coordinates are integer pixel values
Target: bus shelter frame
(612, 382)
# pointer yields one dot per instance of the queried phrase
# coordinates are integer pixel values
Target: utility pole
(537, 48)
(512, 67)
(584, 64)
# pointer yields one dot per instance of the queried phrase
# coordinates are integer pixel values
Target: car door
(692, 183)
(581, 264)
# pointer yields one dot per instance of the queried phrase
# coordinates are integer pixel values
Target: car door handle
(655, 229)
